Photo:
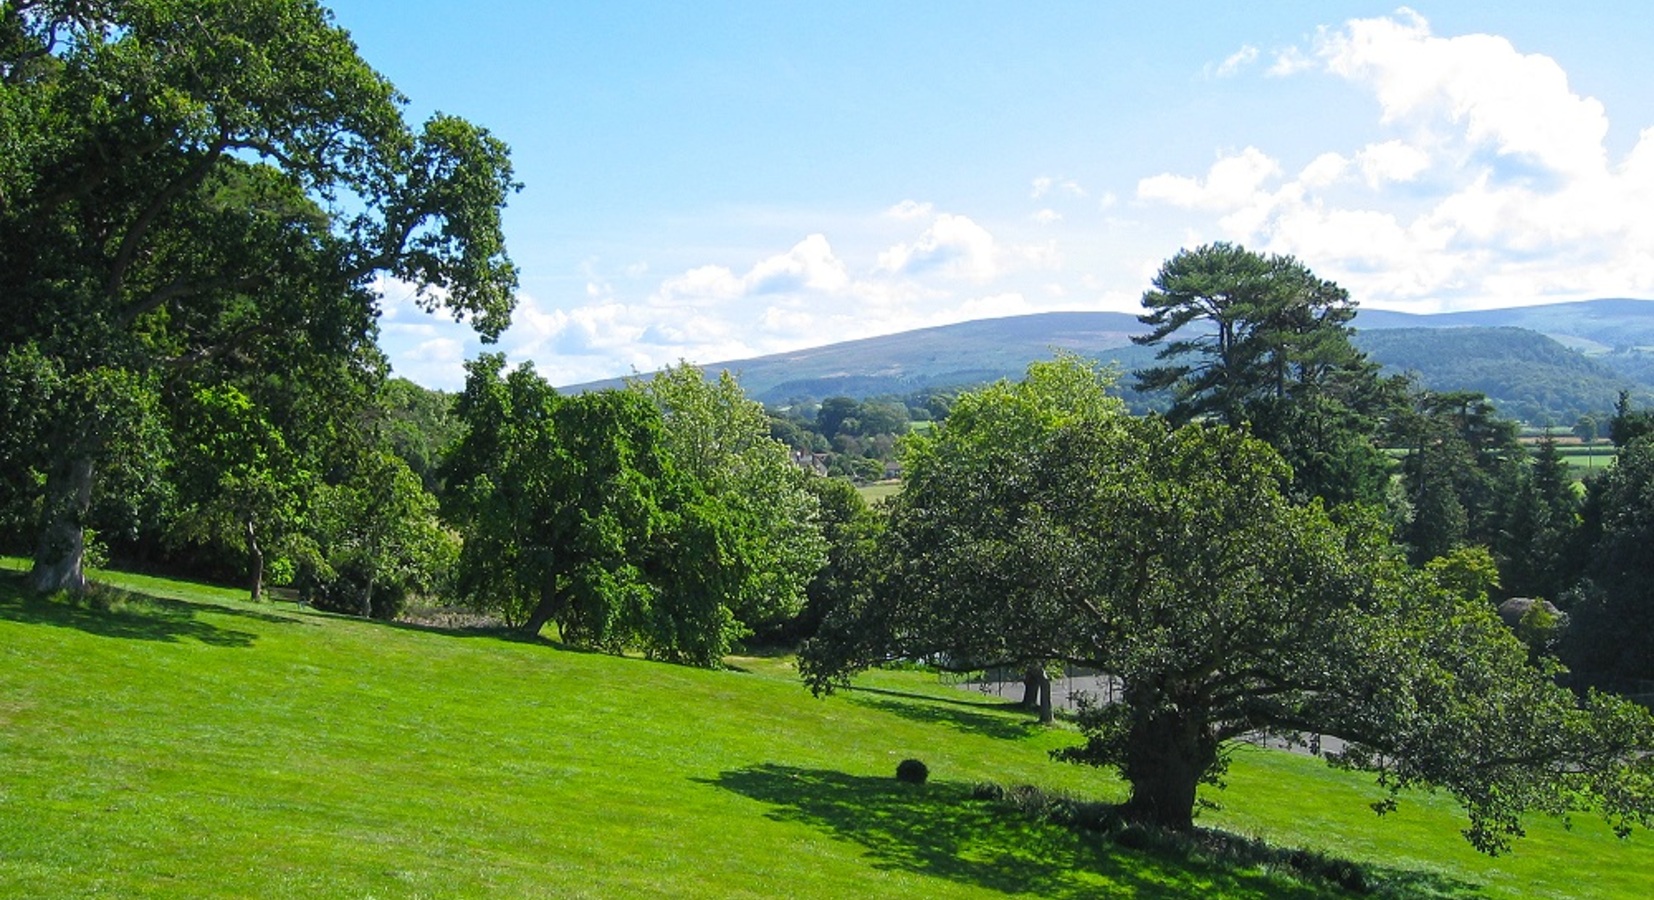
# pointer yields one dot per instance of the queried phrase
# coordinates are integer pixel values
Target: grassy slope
(201, 746)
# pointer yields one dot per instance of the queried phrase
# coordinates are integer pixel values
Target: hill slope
(1528, 375)
(202, 746)
(1569, 358)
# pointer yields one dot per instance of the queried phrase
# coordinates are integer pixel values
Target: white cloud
(953, 246)
(1240, 59)
(1231, 181)
(910, 209)
(995, 306)
(1045, 184)
(952, 269)
(1391, 161)
(1291, 61)
(1496, 185)
(809, 264)
(701, 286)
(1323, 170)
(1517, 105)
(1047, 216)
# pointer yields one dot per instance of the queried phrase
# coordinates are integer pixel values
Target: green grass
(878, 490)
(184, 742)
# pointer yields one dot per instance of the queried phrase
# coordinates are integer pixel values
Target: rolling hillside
(177, 741)
(1539, 363)
(1529, 376)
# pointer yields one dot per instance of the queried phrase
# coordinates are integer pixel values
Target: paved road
(1066, 693)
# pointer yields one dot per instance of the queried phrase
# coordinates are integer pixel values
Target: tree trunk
(60, 555)
(543, 611)
(1036, 693)
(367, 599)
(258, 560)
(1030, 686)
(1169, 751)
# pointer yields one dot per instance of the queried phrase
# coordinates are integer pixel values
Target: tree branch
(180, 288)
(139, 229)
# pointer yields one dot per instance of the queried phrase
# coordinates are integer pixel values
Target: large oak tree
(181, 180)
(1034, 527)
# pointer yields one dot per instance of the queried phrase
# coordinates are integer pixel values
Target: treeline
(857, 439)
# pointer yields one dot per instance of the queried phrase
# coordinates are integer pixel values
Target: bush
(912, 771)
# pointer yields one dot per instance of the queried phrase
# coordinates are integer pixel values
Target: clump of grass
(1203, 845)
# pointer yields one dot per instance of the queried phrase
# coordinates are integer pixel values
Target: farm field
(184, 742)
(878, 490)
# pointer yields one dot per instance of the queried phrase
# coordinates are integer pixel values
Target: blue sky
(713, 181)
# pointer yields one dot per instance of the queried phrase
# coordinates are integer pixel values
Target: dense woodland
(189, 381)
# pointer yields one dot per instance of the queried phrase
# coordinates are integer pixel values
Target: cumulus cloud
(1047, 216)
(1495, 186)
(953, 246)
(1391, 161)
(1517, 105)
(1232, 181)
(948, 269)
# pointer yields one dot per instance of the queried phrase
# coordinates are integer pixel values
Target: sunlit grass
(184, 742)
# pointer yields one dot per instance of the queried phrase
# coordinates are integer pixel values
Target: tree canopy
(1261, 341)
(185, 180)
(674, 534)
(719, 437)
(1177, 560)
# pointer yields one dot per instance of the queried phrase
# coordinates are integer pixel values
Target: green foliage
(376, 540)
(1539, 541)
(1629, 423)
(719, 438)
(240, 485)
(1466, 572)
(1260, 341)
(1585, 428)
(197, 183)
(555, 497)
(1038, 525)
(852, 531)
(1611, 637)
(1267, 326)
(418, 425)
(1461, 469)
(661, 519)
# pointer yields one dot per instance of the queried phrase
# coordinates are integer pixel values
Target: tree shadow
(954, 714)
(940, 830)
(115, 614)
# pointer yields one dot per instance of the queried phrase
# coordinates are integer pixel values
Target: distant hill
(1539, 363)
(1527, 375)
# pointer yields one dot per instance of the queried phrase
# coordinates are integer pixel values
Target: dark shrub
(912, 771)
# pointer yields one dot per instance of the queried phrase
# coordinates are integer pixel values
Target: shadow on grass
(940, 830)
(950, 713)
(118, 614)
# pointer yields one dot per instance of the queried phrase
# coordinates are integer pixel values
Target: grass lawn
(184, 742)
(878, 490)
